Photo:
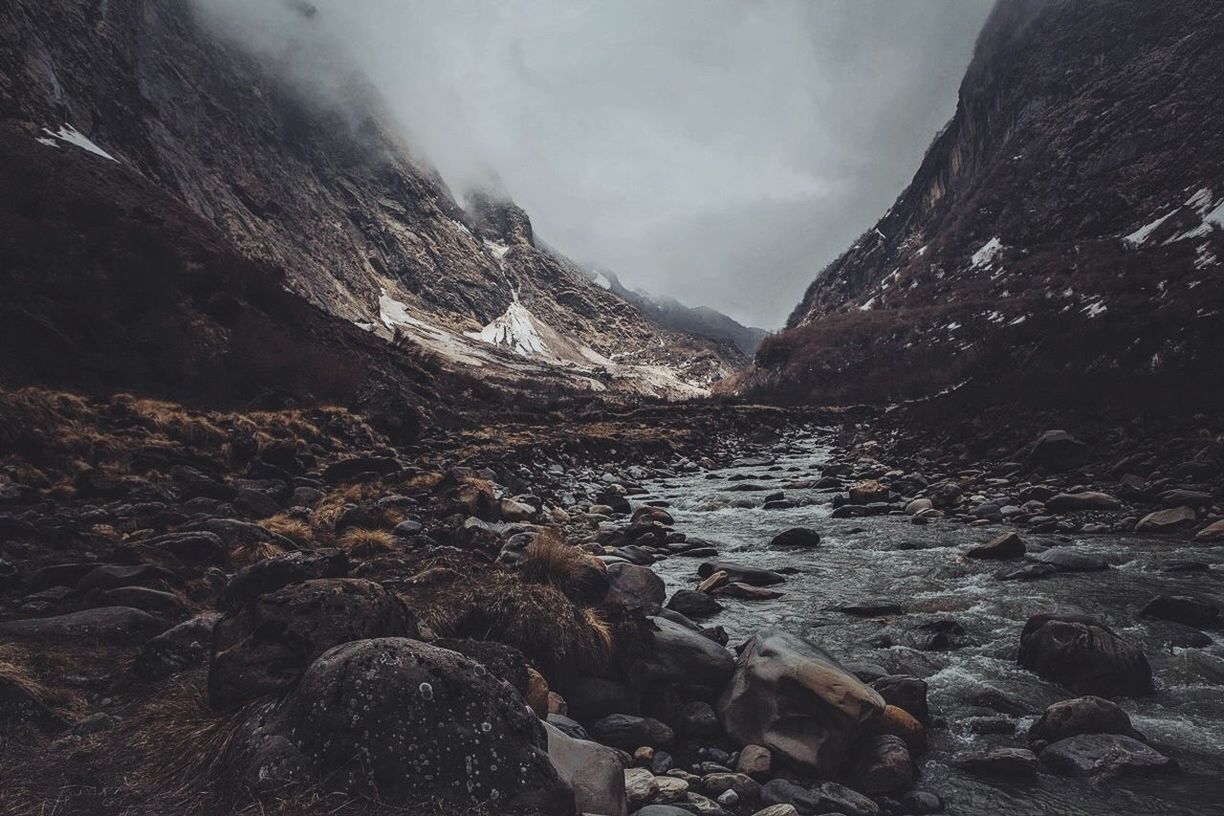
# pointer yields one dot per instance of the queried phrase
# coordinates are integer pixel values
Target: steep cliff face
(325, 191)
(1062, 237)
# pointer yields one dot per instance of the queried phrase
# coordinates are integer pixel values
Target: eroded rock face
(1084, 655)
(798, 701)
(265, 646)
(404, 722)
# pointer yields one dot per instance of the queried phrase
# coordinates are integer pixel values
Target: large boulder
(405, 723)
(594, 773)
(1084, 655)
(120, 625)
(635, 588)
(684, 656)
(264, 647)
(798, 701)
(1081, 715)
(177, 648)
(273, 573)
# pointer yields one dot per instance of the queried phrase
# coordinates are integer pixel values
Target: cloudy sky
(719, 151)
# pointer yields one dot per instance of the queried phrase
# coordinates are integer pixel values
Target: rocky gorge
(210, 613)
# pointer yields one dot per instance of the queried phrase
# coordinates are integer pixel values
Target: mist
(719, 152)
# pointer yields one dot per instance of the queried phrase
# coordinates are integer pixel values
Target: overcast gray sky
(719, 151)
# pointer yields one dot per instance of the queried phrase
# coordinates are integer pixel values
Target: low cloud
(718, 151)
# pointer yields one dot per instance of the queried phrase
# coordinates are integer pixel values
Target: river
(919, 567)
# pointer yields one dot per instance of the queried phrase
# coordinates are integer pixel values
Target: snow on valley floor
(519, 343)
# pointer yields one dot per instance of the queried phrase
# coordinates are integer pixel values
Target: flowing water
(919, 568)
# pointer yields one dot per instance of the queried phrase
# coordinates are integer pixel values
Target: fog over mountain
(688, 145)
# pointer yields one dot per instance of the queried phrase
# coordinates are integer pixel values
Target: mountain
(322, 189)
(669, 312)
(1061, 241)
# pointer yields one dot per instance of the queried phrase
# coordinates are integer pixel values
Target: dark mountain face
(699, 320)
(324, 192)
(1062, 240)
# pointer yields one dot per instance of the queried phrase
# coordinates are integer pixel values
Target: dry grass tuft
(558, 635)
(296, 530)
(549, 560)
(329, 509)
(360, 541)
(248, 553)
(16, 666)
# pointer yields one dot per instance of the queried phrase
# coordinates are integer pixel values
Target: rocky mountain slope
(324, 190)
(1061, 242)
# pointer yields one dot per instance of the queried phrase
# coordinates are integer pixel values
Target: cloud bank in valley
(718, 151)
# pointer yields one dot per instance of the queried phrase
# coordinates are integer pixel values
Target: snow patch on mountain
(985, 256)
(515, 329)
(67, 134)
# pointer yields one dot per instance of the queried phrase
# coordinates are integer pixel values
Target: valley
(329, 485)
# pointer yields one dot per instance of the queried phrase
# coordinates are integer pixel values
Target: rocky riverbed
(714, 611)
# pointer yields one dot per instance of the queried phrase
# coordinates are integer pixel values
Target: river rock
(414, 721)
(868, 492)
(1183, 609)
(885, 767)
(1081, 715)
(1001, 548)
(693, 604)
(1212, 532)
(652, 515)
(1007, 762)
(828, 797)
(1166, 521)
(640, 787)
(745, 787)
(1083, 655)
(635, 588)
(593, 772)
(683, 655)
(1103, 755)
(740, 573)
(797, 700)
(747, 592)
(755, 761)
(795, 538)
(627, 732)
(1069, 560)
(264, 646)
(777, 810)
(1086, 500)
(905, 692)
